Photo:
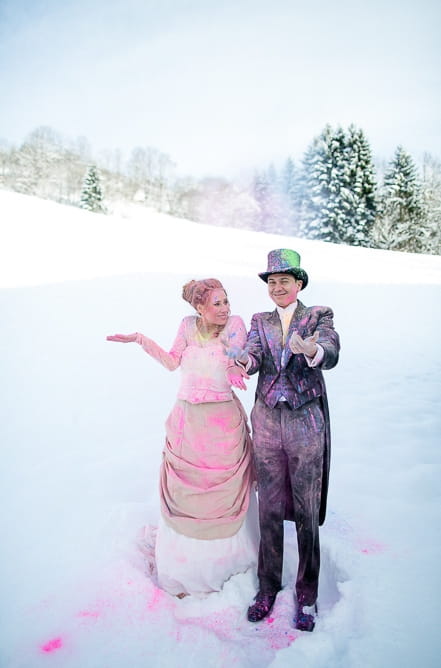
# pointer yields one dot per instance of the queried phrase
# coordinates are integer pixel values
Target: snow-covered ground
(82, 433)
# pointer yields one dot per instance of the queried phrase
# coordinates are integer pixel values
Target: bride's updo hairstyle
(196, 292)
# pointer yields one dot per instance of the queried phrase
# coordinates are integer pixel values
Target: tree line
(335, 193)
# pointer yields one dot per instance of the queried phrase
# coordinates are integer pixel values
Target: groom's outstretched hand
(307, 346)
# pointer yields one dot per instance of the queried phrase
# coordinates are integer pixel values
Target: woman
(205, 532)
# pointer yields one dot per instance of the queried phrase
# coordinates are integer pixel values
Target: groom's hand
(307, 346)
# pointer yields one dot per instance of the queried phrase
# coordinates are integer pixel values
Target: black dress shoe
(304, 619)
(261, 607)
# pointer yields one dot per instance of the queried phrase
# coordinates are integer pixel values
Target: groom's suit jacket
(289, 374)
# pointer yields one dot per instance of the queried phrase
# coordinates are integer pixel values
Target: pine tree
(338, 188)
(431, 184)
(360, 183)
(91, 196)
(322, 170)
(402, 223)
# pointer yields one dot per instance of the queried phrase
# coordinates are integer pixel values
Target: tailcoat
(290, 375)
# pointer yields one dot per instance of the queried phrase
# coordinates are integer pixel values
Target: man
(289, 347)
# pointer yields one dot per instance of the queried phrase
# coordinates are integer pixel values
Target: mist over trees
(335, 193)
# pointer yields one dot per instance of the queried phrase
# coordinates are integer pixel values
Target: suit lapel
(273, 332)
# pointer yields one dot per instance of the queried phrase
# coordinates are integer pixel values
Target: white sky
(222, 86)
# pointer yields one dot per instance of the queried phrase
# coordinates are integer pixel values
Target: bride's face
(217, 308)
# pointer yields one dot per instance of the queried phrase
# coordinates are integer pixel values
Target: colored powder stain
(281, 640)
(372, 547)
(88, 613)
(220, 421)
(221, 624)
(155, 600)
(52, 645)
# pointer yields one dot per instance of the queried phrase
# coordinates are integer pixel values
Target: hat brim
(299, 274)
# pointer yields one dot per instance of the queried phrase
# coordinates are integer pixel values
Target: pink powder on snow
(88, 613)
(371, 547)
(52, 645)
(223, 625)
(274, 632)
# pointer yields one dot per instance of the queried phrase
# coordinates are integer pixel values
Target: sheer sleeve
(235, 338)
(172, 359)
(238, 332)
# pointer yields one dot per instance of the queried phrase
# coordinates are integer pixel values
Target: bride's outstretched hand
(123, 338)
(235, 376)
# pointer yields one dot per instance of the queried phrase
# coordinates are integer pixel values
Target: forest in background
(336, 193)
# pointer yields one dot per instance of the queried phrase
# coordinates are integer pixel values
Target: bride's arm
(170, 360)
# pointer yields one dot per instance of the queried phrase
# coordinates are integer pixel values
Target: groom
(290, 347)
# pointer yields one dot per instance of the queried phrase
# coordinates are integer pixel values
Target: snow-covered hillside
(82, 433)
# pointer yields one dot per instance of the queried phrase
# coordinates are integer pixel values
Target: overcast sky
(221, 85)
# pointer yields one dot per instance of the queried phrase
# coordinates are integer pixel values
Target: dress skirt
(208, 527)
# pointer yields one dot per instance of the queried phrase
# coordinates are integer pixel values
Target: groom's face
(283, 289)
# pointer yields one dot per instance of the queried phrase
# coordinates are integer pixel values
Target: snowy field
(82, 433)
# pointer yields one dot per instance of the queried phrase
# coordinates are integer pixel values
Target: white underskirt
(197, 567)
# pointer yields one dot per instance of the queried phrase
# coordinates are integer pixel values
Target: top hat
(285, 261)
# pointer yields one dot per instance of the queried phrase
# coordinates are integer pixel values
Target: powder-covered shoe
(305, 616)
(261, 607)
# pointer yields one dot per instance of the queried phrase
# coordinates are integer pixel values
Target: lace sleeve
(235, 337)
(172, 359)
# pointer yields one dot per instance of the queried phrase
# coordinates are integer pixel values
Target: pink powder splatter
(226, 625)
(221, 421)
(278, 637)
(221, 624)
(371, 547)
(88, 613)
(52, 645)
(156, 599)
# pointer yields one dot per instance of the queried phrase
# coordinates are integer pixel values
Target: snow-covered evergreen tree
(322, 178)
(338, 188)
(432, 201)
(361, 187)
(402, 222)
(91, 196)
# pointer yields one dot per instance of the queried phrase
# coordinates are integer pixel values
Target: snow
(82, 433)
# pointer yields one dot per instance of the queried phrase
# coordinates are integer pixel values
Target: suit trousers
(288, 453)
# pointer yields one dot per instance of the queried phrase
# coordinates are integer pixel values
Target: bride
(207, 530)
